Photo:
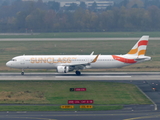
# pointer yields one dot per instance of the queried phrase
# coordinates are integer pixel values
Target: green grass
(53, 94)
(57, 108)
(84, 34)
(57, 92)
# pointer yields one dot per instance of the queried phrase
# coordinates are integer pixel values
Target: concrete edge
(155, 105)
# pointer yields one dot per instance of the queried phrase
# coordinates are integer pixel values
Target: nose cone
(8, 64)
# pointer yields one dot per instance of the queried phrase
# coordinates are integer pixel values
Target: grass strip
(57, 92)
(106, 95)
(83, 35)
(57, 108)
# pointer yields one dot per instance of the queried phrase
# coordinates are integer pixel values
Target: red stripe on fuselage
(124, 60)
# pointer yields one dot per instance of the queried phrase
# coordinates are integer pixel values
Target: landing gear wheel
(22, 73)
(78, 73)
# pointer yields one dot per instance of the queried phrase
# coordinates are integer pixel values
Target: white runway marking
(111, 76)
(90, 76)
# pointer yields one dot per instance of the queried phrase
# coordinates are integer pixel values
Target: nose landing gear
(78, 72)
(22, 73)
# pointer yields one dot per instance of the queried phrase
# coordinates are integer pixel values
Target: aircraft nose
(8, 64)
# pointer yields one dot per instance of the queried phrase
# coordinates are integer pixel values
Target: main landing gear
(22, 73)
(78, 73)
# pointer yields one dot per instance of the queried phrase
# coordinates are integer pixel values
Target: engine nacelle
(62, 69)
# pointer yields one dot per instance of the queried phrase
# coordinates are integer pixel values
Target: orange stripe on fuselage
(124, 60)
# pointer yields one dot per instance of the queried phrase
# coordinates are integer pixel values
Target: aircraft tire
(78, 73)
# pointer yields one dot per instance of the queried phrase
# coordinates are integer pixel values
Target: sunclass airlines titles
(52, 60)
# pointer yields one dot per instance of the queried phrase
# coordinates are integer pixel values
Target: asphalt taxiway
(83, 115)
(85, 76)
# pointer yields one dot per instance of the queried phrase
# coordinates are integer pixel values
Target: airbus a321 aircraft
(67, 63)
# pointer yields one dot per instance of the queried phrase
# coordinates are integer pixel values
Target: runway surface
(71, 39)
(74, 115)
(85, 76)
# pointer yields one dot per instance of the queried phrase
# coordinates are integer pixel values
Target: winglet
(92, 53)
(95, 59)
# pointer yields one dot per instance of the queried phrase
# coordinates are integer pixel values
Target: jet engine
(62, 69)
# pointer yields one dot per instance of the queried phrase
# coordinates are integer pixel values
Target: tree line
(128, 15)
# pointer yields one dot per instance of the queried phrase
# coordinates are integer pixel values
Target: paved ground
(85, 76)
(88, 115)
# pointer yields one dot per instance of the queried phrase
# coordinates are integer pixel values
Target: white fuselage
(52, 61)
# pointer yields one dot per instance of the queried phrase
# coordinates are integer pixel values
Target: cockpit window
(14, 60)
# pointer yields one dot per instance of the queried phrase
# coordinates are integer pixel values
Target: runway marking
(91, 76)
(110, 76)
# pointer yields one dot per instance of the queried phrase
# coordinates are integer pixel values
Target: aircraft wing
(81, 65)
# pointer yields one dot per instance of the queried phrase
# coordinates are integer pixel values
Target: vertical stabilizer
(139, 49)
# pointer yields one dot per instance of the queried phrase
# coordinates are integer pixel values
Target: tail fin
(139, 49)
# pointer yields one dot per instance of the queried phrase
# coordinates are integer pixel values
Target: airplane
(77, 63)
